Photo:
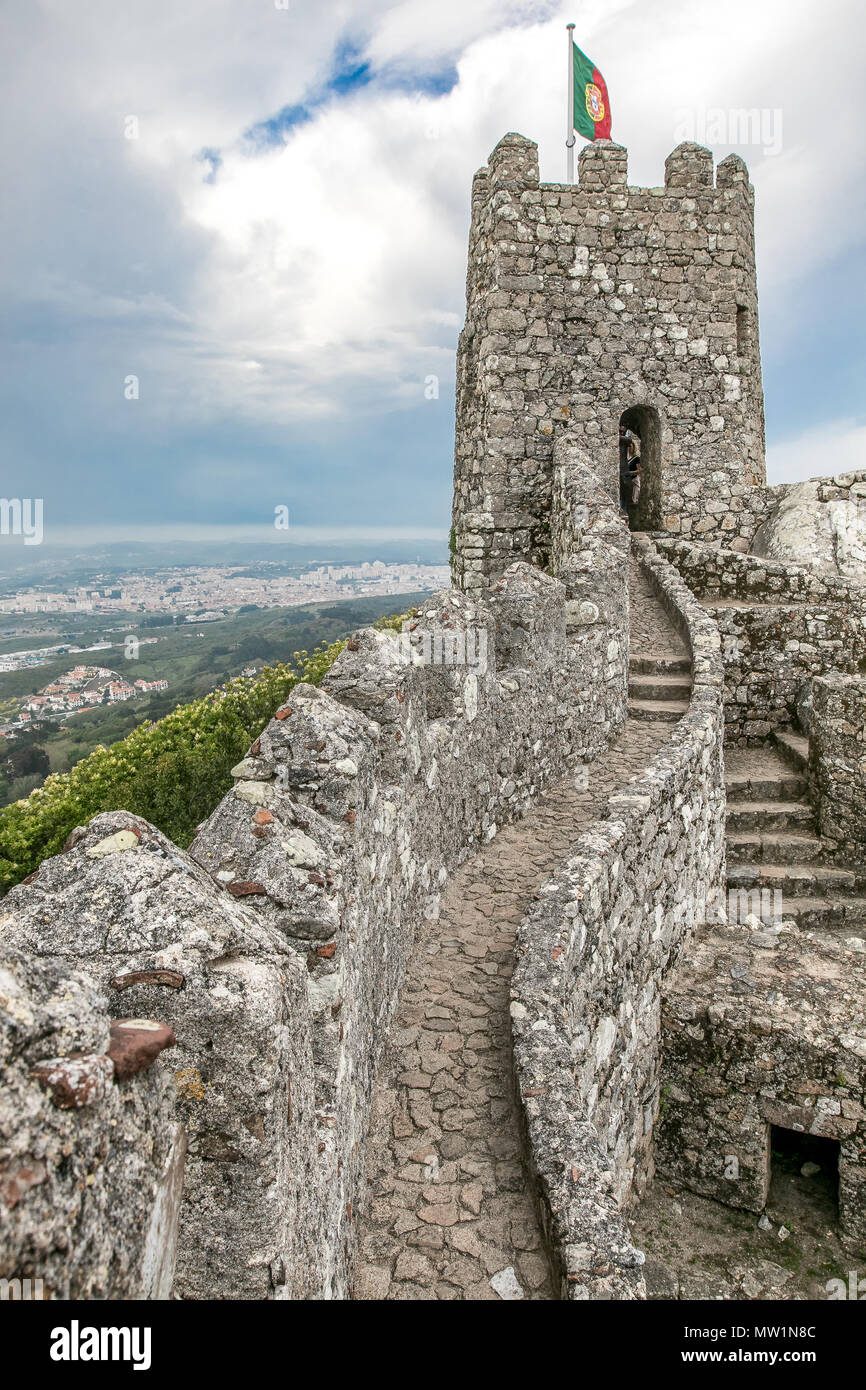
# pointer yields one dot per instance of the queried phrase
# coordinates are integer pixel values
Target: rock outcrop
(807, 528)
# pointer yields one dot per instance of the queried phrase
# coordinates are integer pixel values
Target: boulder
(804, 530)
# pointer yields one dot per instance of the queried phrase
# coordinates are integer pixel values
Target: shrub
(173, 772)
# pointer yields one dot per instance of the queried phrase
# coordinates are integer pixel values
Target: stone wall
(781, 626)
(589, 542)
(361, 797)
(713, 573)
(589, 300)
(842, 487)
(593, 954)
(837, 762)
(759, 1033)
(90, 1160)
(159, 940)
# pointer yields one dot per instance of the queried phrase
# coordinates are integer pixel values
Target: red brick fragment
(77, 1080)
(170, 978)
(136, 1043)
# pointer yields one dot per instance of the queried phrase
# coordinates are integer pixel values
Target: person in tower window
(625, 476)
(629, 469)
(636, 475)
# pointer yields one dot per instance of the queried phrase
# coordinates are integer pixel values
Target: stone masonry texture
(837, 752)
(584, 302)
(123, 901)
(90, 1167)
(760, 1033)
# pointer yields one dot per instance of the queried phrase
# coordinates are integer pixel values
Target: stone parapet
(593, 954)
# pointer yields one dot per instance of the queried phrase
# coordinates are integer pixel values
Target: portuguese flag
(591, 101)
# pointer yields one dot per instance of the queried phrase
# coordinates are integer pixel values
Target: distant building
(120, 690)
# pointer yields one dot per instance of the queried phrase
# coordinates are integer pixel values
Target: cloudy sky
(259, 208)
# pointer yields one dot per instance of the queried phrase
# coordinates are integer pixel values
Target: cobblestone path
(449, 1212)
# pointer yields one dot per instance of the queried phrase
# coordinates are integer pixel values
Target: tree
(27, 761)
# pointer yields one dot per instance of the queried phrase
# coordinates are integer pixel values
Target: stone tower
(596, 304)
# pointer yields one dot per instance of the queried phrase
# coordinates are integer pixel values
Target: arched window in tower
(640, 473)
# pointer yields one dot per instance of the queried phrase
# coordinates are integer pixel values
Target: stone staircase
(659, 688)
(773, 842)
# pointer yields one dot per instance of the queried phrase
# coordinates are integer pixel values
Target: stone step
(794, 748)
(659, 665)
(845, 916)
(773, 847)
(779, 787)
(796, 880)
(660, 687)
(762, 816)
(669, 711)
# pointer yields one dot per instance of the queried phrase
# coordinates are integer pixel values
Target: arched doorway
(640, 448)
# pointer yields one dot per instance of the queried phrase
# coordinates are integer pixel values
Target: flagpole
(569, 129)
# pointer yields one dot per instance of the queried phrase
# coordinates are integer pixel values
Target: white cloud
(837, 447)
(406, 33)
(335, 263)
(333, 256)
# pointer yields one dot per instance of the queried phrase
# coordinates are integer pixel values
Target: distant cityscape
(182, 596)
(81, 689)
(206, 593)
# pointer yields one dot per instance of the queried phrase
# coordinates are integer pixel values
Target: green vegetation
(173, 772)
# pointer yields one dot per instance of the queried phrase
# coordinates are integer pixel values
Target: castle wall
(361, 797)
(583, 302)
(593, 954)
(837, 761)
(759, 1033)
(781, 626)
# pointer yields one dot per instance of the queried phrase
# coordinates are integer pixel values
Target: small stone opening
(804, 1173)
(640, 481)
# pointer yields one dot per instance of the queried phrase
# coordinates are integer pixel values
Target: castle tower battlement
(591, 302)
